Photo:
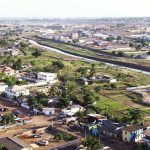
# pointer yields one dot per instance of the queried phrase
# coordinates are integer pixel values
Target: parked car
(36, 135)
(43, 142)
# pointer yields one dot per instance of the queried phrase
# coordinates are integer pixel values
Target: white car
(43, 142)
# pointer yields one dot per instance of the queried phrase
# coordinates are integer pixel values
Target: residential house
(48, 77)
(3, 87)
(13, 143)
(74, 35)
(146, 137)
(97, 118)
(92, 121)
(72, 110)
(110, 129)
(48, 111)
(133, 133)
(8, 71)
(16, 91)
(108, 78)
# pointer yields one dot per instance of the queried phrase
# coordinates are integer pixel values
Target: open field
(86, 52)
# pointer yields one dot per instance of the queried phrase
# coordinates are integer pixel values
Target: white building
(48, 77)
(72, 110)
(48, 111)
(16, 91)
(3, 87)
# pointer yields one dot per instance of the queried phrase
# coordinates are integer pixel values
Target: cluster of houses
(99, 125)
(33, 80)
(95, 124)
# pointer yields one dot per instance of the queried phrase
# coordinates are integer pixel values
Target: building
(72, 110)
(16, 91)
(8, 71)
(148, 29)
(13, 143)
(133, 133)
(110, 129)
(74, 35)
(3, 87)
(96, 118)
(48, 111)
(146, 137)
(48, 77)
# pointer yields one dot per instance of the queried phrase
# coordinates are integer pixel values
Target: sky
(74, 8)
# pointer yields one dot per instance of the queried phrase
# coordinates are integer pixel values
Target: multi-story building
(133, 133)
(48, 77)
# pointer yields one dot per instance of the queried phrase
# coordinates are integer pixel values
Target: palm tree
(91, 143)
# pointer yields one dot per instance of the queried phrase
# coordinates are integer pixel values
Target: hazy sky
(74, 8)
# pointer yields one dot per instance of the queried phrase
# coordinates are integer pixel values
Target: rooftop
(17, 88)
(13, 143)
(133, 128)
(97, 116)
(47, 73)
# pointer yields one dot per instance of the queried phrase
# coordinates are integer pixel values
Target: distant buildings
(74, 35)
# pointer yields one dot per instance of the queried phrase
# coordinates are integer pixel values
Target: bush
(63, 136)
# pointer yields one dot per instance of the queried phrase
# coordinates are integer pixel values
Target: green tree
(119, 38)
(131, 45)
(3, 43)
(91, 143)
(18, 64)
(93, 70)
(89, 97)
(57, 65)
(113, 85)
(8, 61)
(2, 76)
(10, 80)
(8, 119)
(83, 71)
(54, 91)
(138, 47)
(64, 102)
(36, 53)
(121, 54)
(1, 147)
(110, 38)
(80, 116)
